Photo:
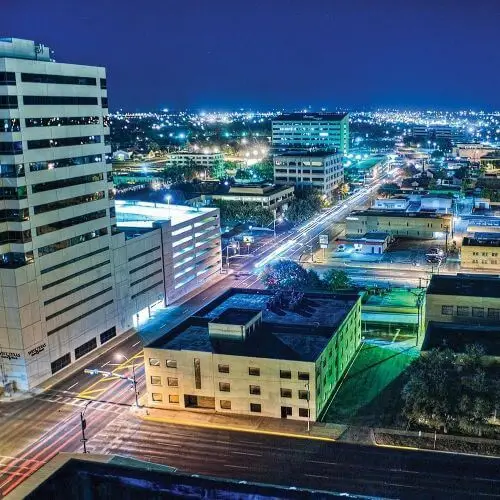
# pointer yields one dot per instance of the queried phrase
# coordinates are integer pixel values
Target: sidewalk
(243, 423)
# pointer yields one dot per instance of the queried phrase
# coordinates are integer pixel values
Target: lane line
(71, 387)
(245, 453)
(137, 343)
(236, 466)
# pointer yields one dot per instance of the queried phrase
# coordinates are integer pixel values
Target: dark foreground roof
(115, 480)
(465, 285)
(456, 337)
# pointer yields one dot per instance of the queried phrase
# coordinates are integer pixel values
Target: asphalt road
(338, 467)
(32, 431)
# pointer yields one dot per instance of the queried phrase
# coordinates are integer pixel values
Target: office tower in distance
(326, 131)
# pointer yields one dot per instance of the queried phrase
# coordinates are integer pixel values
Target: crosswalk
(62, 399)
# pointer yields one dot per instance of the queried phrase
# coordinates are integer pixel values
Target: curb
(411, 448)
(165, 420)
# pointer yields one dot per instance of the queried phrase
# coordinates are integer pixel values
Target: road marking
(71, 387)
(137, 343)
(317, 475)
(245, 453)
(105, 364)
(324, 463)
(236, 466)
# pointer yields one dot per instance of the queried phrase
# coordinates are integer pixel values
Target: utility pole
(308, 408)
(83, 423)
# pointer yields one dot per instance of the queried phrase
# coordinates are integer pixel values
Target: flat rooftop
(465, 285)
(397, 213)
(142, 215)
(299, 335)
(236, 316)
(457, 336)
(482, 240)
(308, 154)
(309, 117)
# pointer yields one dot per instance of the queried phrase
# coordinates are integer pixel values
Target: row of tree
(288, 275)
(448, 390)
(236, 212)
(306, 204)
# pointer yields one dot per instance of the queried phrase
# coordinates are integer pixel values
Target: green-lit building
(396, 313)
(252, 352)
(327, 131)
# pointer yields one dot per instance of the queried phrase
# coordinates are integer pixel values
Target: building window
(254, 371)
(255, 390)
(36, 100)
(303, 394)
(447, 310)
(223, 368)
(154, 362)
(493, 313)
(305, 375)
(286, 393)
(60, 363)
(157, 397)
(197, 373)
(285, 374)
(478, 312)
(171, 363)
(224, 387)
(225, 404)
(108, 335)
(86, 348)
(173, 398)
(462, 311)
(303, 412)
(255, 408)
(155, 380)
(173, 382)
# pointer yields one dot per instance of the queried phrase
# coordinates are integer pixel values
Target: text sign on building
(323, 241)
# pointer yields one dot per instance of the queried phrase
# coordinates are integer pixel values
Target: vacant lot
(370, 394)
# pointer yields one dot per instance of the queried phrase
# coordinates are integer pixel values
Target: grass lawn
(370, 394)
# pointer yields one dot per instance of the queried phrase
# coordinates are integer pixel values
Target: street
(34, 430)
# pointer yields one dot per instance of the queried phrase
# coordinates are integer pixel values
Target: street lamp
(83, 423)
(134, 379)
(167, 199)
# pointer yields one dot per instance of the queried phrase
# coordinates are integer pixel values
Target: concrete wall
(462, 309)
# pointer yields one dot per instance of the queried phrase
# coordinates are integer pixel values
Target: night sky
(228, 54)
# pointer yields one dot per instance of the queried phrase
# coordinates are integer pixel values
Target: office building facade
(320, 170)
(59, 238)
(311, 130)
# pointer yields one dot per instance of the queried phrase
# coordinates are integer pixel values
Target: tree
(264, 170)
(236, 212)
(334, 280)
(218, 170)
(446, 389)
(307, 204)
(388, 189)
(430, 396)
(285, 275)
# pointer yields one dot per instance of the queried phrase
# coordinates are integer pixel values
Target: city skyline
(284, 54)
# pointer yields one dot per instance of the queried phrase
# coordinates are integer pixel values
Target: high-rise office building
(70, 279)
(311, 130)
(57, 211)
